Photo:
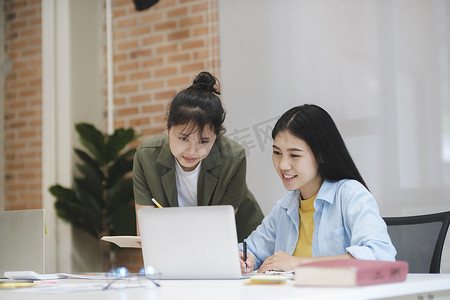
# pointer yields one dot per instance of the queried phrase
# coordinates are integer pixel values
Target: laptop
(197, 242)
(22, 236)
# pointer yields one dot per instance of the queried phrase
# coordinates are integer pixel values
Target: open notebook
(190, 242)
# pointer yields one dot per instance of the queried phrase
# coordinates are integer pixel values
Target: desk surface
(416, 284)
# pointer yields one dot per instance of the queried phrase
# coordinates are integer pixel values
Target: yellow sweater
(306, 227)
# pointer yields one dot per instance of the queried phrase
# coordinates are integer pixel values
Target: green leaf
(117, 142)
(97, 208)
(93, 140)
(123, 220)
(78, 217)
(90, 194)
(87, 172)
(91, 162)
(91, 181)
(121, 166)
(101, 199)
(120, 194)
(70, 208)
(63, 194)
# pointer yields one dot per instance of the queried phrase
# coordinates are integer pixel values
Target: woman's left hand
(281, 261)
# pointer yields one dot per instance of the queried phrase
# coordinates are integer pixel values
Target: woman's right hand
(249, 265)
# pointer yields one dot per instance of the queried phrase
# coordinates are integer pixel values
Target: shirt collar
(327, 191)
(291, 203)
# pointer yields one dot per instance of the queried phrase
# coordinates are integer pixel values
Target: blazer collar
(165, 156)
(167, 160)
(208, 176)
(213, 159)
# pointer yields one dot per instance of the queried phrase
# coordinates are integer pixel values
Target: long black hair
(315, 126)
(198, 106)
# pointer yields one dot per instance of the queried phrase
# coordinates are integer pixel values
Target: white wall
(379, 67)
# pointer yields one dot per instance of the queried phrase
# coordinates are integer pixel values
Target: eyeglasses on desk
(121, 278)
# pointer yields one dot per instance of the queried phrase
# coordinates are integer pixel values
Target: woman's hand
(281, 261)
(249, 265)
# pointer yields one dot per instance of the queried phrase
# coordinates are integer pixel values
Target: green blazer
(222, 179)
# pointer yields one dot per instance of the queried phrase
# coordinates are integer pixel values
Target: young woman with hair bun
(193, 164)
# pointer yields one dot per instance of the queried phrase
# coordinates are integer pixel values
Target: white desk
(425, 285)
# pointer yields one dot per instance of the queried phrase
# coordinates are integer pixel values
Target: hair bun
(207, 81)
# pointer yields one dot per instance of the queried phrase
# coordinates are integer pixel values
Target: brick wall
(157, 53)
(22, 104)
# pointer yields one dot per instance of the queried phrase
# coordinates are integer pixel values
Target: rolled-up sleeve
(367, 231)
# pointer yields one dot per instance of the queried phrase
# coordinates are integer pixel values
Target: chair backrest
(419, 240)
(22, 241)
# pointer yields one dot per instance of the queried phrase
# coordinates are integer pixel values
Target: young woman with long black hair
(328, 212)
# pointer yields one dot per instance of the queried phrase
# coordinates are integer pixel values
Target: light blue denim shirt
(346, 220)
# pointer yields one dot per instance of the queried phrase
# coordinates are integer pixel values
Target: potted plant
(100, 201)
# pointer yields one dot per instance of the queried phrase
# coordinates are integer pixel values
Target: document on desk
(61, 286)
(56, 283)
(269, 277)
(33, 276)
(124, 241)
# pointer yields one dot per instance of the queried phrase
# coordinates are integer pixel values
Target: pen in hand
(156, 203)
(244, 244)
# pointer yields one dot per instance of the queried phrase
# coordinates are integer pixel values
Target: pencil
(156, 203)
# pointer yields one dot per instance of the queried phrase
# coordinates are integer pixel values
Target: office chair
(419, 240)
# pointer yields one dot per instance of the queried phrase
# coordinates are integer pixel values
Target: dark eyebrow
(289, 149)
(206, 138)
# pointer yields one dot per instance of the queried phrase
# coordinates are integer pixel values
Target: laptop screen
(22, 235)
(190, 242)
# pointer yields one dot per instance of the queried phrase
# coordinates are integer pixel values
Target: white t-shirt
(187, 185)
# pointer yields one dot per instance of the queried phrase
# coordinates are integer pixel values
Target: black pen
(245, 253)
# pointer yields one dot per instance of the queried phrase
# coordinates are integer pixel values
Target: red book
(350, 272)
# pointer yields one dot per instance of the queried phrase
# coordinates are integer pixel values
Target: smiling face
(295, 164)
(188, 147)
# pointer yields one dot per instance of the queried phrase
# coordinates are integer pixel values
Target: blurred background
(379, 67)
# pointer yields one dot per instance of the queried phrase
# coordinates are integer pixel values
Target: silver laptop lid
(190, 242)
(22, 246)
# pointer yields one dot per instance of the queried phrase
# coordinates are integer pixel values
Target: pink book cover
(364, 272)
